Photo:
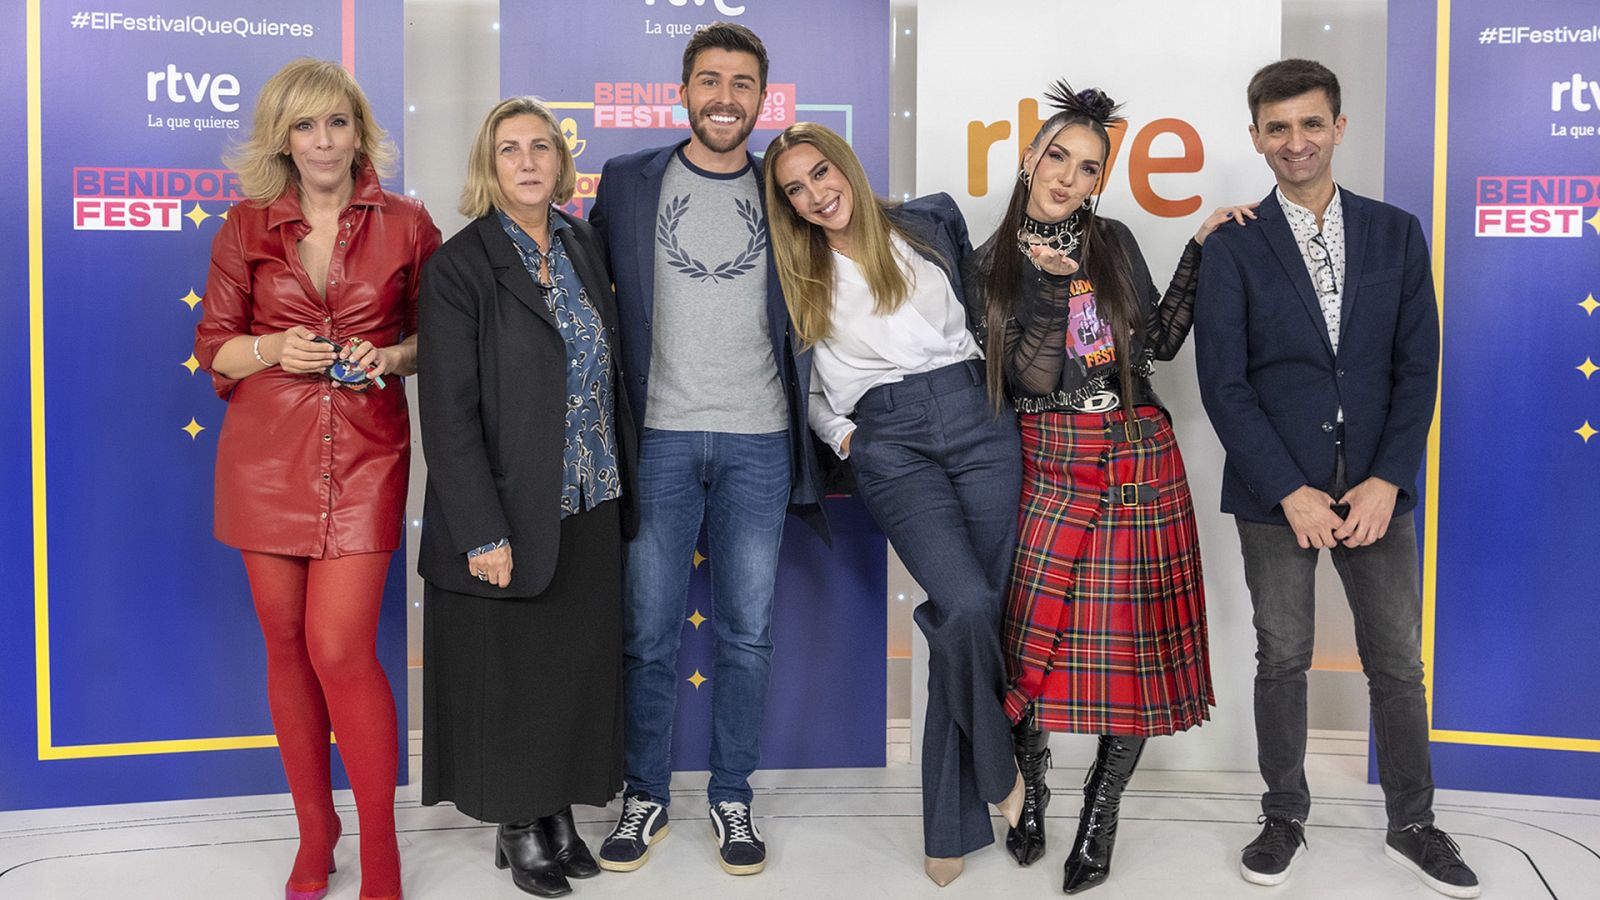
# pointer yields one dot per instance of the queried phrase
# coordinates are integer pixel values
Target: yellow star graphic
(224, 214)
(194, 428)
(191, 298)
(197, 215)
(696, 620)
(191, 364)
(1586, 432)
(697, 679)
(698, 559)
(1589, 304)
(1594, 221)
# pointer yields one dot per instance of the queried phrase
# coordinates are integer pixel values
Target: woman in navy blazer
(897, 386)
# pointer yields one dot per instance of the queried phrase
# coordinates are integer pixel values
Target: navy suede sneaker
(643, 822)
(738, 840)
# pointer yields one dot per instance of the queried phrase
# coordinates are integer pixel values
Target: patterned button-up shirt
(590, 451)
(1323, 253)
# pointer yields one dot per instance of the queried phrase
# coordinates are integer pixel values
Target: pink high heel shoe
(300, 890)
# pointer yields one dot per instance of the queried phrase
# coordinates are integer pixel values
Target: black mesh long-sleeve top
(1047, 368)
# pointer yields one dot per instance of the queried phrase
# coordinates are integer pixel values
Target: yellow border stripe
(1525, 741)
(41, 532)
(41, 561)
(149, 748)
(1441, 159)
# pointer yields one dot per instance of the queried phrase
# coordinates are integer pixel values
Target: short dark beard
(705, 139)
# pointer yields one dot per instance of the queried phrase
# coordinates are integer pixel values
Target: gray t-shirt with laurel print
(711, 365)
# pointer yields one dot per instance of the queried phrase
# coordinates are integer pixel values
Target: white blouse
(928, 331)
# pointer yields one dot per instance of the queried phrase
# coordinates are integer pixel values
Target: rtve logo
(184, 87)
(981, 136)
(721, 5)
(1585, 94)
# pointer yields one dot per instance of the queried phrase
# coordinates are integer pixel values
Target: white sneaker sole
(1263, 878)
(751, 869)
(1449, 890)
(627, 866)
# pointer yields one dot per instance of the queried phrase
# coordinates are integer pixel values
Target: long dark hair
(1103, 260)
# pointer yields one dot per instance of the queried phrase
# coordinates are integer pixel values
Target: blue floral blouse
(590, 452)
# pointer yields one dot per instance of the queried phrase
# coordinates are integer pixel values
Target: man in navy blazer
(1317, 346)
(718, 392)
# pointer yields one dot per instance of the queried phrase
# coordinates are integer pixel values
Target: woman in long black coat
(530, 452)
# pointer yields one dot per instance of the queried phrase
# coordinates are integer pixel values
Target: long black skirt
(522, 697)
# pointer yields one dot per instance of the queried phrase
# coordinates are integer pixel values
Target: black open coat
(492, 387)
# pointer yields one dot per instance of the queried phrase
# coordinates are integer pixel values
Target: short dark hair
(725, 36)
(1290, 78)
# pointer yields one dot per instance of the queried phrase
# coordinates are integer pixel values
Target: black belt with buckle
(1133, 494)
(1131, 431)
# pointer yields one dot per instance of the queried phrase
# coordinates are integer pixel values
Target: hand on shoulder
(1223, 214)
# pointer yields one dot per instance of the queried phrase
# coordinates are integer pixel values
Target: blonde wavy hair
(800, 250)
(482, 190)
(303, 89)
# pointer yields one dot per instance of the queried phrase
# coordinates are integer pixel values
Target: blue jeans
(941, 472)
(1380, 581)
(738, 486)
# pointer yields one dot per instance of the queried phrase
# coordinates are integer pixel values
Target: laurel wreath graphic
(681, 260)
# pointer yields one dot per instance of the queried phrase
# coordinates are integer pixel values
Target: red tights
(320, 621)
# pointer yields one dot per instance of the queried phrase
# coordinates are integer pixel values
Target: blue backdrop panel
(1514, 672)
(154, 657)
(827, 705)
(16, 557)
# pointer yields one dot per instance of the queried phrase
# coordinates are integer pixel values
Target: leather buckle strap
(1131, 431)
(1133, 494)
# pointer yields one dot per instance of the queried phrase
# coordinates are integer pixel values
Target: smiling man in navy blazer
(719, 394)
(1318, 352)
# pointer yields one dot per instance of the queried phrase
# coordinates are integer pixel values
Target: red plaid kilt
(1105, 615)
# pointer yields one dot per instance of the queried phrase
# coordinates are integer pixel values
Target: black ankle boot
(568, 845)
(523, 847)
(1026, 841)
(1090, 860)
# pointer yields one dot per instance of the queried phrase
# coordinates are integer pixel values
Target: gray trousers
(941, 473)
(1381, 581)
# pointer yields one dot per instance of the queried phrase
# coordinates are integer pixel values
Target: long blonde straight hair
(800, 249)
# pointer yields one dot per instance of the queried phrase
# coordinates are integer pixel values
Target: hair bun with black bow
(1089, 103)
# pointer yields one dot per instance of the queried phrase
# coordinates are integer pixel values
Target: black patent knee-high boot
(1026, 841)
(1090, 861)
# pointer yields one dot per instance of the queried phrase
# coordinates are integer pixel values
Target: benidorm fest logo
(116, 198)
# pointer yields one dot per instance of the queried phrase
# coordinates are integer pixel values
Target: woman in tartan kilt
(1105, 630)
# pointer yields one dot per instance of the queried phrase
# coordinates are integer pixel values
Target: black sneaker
(1433, 857)
(738, 840)
(643, 822)
(1266, 860)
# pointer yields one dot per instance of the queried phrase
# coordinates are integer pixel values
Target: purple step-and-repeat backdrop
(611, 69)
(1494, 142)
(131, 665)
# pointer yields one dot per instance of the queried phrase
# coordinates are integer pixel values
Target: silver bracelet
(255, 348)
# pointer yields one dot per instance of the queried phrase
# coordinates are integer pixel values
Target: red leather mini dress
(306, 468)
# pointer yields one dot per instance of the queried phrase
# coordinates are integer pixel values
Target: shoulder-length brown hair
(800, 250)
(303, 89)
(482, 190)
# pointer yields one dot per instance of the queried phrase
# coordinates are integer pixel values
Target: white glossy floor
(843, 833)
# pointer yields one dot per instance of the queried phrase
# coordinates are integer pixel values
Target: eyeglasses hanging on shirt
(1327, 282)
